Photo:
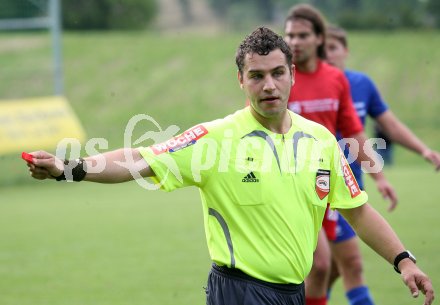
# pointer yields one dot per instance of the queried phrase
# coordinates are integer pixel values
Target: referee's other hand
(416, 281)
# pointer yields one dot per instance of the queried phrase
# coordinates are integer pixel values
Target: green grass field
(120, 244)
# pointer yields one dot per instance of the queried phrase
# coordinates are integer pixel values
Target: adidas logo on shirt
(250, 178)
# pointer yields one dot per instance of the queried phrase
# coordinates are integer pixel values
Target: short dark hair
(261, 41)
(337, 33)
(311, 14)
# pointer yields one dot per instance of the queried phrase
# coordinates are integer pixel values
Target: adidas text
(250, 178)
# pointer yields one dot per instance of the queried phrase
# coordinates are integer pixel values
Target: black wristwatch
(77, 170)
(401, 256)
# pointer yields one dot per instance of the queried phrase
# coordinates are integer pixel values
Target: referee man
(265, 177)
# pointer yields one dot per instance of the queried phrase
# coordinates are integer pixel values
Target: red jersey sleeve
(348, 122)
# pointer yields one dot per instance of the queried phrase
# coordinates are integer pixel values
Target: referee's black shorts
(233, 287)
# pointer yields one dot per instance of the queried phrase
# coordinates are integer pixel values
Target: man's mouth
(269, 99)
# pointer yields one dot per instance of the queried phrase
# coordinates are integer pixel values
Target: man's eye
(256, 76)
(278, 73)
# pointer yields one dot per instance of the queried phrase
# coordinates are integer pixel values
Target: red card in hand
(27, 157)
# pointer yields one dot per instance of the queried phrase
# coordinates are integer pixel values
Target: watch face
(411, 256)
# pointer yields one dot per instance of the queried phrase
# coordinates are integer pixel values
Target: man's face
(267, 80)
(302, 40)
(336, 52)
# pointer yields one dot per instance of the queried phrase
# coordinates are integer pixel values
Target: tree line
(87, 14)
(350, 14)
(138, 14)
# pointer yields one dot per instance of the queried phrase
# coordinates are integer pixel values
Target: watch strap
(399, 258)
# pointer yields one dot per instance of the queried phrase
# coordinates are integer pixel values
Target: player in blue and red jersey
(367, 102)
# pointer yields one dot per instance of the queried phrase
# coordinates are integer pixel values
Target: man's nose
(294, 41)
(269, 84)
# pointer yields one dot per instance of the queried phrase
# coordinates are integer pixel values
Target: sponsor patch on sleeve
(322, 186)
(349, 178)
(181, 141)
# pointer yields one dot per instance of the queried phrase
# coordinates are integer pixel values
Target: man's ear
(292, 71)
(347, 53)
(240, 79)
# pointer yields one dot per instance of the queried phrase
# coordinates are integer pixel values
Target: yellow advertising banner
(37, 123)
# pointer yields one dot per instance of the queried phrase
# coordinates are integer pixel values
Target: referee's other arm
(373, 229)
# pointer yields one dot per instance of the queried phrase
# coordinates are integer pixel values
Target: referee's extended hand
(45, 165)
(416, 281)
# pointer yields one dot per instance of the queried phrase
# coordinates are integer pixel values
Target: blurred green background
(184, 78)
(120, 244)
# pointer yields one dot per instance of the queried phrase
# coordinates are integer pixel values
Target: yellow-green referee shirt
(264, 194)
